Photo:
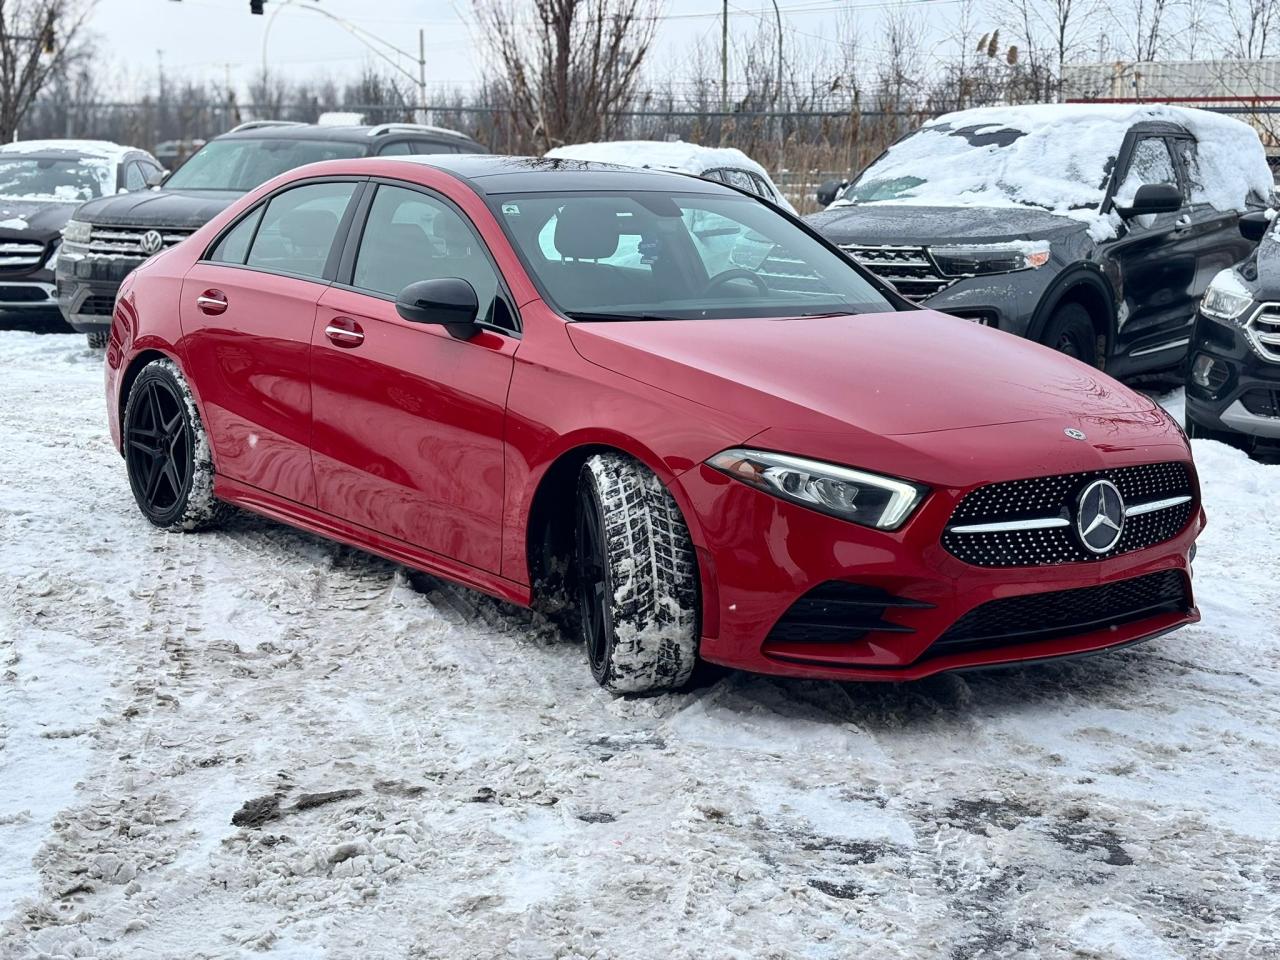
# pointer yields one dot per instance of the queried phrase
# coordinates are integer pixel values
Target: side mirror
(828, 191)
(157, 177)
(1153, 198)
(449, 301)
(1254, 226)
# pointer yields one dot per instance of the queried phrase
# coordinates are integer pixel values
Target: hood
(159, 208)
(891, 374)
(907, 223)
(33, 219)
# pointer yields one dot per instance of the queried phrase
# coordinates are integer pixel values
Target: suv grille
(1263, 328)
(910, 269)
(1055, 497)
(106, 241)
(1042, 616)
(20, 254)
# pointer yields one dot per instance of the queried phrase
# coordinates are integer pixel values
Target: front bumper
(87, 285)
(32, 292)
(1243, 395)
(760, 555)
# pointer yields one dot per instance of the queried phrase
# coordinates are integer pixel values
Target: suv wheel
(166, 452)
(637, 579)
(1070, 331)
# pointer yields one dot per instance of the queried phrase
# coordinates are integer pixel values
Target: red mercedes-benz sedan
(654, 406)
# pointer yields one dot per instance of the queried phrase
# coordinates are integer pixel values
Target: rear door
(408, 420)
(247, 312)
(1156, 258)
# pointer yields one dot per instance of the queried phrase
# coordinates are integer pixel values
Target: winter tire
(1070, 331)
(637, 579)
(98, 339)
(167, 451)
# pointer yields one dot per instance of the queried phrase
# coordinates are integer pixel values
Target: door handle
(344, 332)
(212, 302)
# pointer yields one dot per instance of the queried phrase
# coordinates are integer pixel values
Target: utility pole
(777, 92)
(724, 60)
(421, 112)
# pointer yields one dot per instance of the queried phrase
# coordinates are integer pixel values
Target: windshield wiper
(589, 316)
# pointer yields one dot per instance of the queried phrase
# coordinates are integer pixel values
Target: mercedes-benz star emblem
(1074, 434)
(151, 242)
(1100, 516)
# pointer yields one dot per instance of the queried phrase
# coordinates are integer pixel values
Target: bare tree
(1252, 26)
(37, 39)
(569, 71)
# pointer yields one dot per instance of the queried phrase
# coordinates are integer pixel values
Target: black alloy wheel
(158, 445)
(592, 576)
(1071, 331)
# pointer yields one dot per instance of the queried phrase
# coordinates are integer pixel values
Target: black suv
(107, 238)
(1233, 377)
(1091, 228)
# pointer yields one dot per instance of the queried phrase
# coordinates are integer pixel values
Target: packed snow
(1056, 156)
(257, 743)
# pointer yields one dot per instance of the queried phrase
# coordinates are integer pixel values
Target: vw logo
(1074, 434)
(1100, 516)
(151, 242)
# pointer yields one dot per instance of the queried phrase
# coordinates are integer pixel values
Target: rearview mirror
(1153, 198)
(830, 188)
(1254, 226)
(157, 177)
(448, 301)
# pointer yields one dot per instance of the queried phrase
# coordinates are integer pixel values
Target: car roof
(492, 174)
(346, 134)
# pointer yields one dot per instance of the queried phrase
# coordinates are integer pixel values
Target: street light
(367, 39)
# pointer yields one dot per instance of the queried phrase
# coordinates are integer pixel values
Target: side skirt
(308, 518)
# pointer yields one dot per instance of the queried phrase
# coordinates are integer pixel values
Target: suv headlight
(77, 231)
(869, 499)
(981, 259)
(1226, 299)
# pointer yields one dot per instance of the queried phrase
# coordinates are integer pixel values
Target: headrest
(309, 228)
(586, 230)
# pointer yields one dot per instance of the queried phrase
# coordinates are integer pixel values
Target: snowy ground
(497, 803)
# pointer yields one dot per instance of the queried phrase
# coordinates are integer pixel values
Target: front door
(408, 421)
(1155, 257)
(247, 314)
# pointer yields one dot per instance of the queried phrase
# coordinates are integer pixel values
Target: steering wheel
(736, 273)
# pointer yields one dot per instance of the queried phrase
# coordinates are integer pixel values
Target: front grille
(1043, 616)
(1263, 329)
(105, 241)
(910, 269)
(1056, 496)
(839, 612)
(22, 293)
(98, 305)
(1262, 402)
(20, 254)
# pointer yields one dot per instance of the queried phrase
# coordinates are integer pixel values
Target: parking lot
(255, 740)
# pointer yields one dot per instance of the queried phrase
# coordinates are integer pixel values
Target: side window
(1189, 156)
(432, 146)
(740, 179)
(298, 228)
(397, 149)
(234, 245)
(762, 188)
(134, 177)
(410, 236)
(1150, 163)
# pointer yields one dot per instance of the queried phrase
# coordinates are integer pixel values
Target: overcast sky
(217, 38)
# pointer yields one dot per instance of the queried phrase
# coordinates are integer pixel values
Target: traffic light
(255, 6)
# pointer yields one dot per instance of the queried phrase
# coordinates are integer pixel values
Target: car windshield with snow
(527, 376)
(1090, 228)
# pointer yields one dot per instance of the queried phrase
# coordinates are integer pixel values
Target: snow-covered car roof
(677, 155)
(1056, 156)
(96, 149)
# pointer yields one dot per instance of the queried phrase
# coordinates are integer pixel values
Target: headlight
(866, 498)
(979, 259)
(77, 231)
(1227, 298)
(52, 262)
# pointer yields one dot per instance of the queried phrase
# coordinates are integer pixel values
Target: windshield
(243, 164)
(997, 157)
(68, 181)
(625, 256)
